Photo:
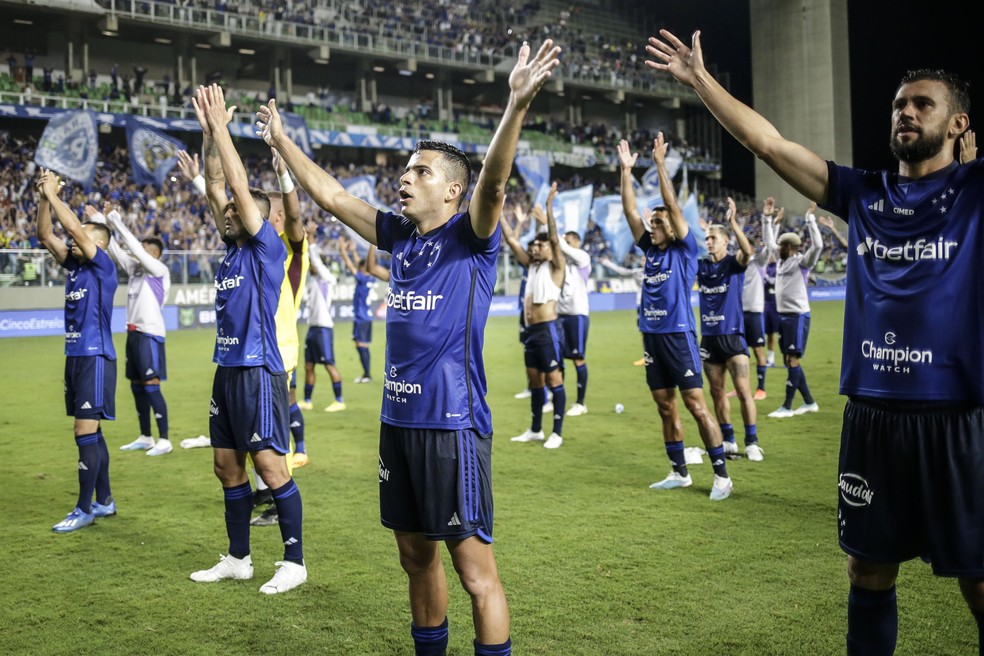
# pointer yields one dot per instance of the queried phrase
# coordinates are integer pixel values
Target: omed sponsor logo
(854, 490)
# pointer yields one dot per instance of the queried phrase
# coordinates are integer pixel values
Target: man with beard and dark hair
(911, 459)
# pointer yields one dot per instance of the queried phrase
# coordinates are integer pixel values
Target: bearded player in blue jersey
(90, 357)
(248, 411)
(435, 438)
(911, 461)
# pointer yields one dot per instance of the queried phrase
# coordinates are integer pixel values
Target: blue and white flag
(296, 128)
(571, 210)
(70, 146)
(152, 154)
(607, 214)
(535, 171)
(691, 214)
(362, 187)
(650, 179)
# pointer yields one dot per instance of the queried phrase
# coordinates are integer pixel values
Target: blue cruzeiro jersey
(720, 285)
(89, 290)
(437, 306)
(361, 305)
(669, 277)
(247, 291)
(914, 313)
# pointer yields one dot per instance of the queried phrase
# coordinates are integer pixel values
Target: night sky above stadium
(886, 38)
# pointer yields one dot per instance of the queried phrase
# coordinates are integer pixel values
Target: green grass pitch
(593, 561)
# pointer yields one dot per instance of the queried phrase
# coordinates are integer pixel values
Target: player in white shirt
(573, 311)
(319, 346)
(149, 280)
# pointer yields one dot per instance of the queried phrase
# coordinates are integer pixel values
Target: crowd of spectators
(180, 217)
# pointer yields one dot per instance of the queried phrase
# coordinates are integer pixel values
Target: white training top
(540, 285)
(791, 273)
(320, 287)
(149, 280)
(574, 295)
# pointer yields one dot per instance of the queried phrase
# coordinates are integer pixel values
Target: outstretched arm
(770, 221)
(828, 223)
(559, 262)
(211, 101)
(293, 227)
(679, 224)
(525, 80)
(803, 169)
(214, 180)
(190, 171)
(50, 184)
(509, 235)
(373, 266)
(346, 258)
(151, 264)
(812, 254)
(626, 160)
(745, 250)
(46, 234)
(323, 189)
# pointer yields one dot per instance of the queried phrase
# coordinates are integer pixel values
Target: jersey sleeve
(390, 228)
(842, 181)
(268, 244)
(103, 265)
(477, 244)
(645, 241)
(689, 243)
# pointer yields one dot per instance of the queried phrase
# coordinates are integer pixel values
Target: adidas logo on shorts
(86, 406)
(255, 438)
(454, 520)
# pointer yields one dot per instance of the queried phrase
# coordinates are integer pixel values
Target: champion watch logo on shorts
(854, 490)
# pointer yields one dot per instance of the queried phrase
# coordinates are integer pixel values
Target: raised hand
(539, 214)
(209, 103)
(659, 149)
(769, 206)
(626, 158)
(779, 215)
(968, 147)
(188, 165)
(49, 184)
(278, 162)
(268, 123)
(528, 76)
(826, 222)
(674, 56)
(732, 213)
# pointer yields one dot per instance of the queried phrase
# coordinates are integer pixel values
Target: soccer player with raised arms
(720, 282)
(435, 437)
(248, 411)
(912, 440)
(149, 280)
(90, 357)
(666, 320)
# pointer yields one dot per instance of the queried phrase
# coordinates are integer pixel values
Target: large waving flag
(571, 210)
(608, 216)
(152, 154)
(535, 171)
(70, 146)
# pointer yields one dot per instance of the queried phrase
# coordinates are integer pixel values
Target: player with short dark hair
(248, 412)
(90, 362)
(149, 280)
(911, 441)
(666, 321)
(435, 437)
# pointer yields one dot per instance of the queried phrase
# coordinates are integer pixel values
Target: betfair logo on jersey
(657, 278)
(411, 300)
(854, 490)
(720, 289)
(77, 295)
(228, 283)
(893, 357)
(397, 391)
(910, 251)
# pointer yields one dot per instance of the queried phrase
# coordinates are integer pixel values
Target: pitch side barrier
(190, 307)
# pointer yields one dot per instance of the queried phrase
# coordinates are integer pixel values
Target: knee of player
(871, 576)
(973, 593)
(478, 581)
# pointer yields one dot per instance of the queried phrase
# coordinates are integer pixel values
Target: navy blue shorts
(575, 335)
(319, 345)
(435, 482)
(90, 387)
(794, 331)
(771, 319)
(362, 331)
(544, 346)
(672, 360)
(910, 483)
(145, 357)
(249, 410)
(755, 328)
(718, 349)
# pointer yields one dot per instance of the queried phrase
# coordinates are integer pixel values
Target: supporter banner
(571, 208)
(69, 146)
(535, 170)
(152, 154)
(39, 323)
(608, 216)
